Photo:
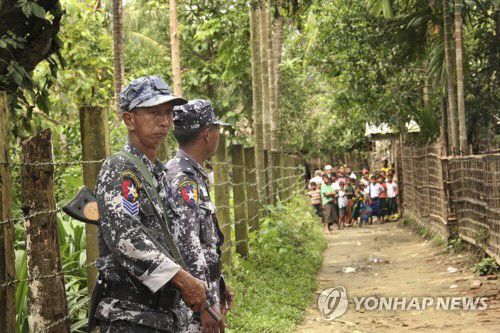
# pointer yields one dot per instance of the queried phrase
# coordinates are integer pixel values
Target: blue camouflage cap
(196, 114)
(147, 91)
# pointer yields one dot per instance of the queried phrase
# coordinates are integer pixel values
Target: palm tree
(118, 50)
(257, 100)
(263, 35)
(174, 40)
(452, 110)
(274, 114)
(460, 78)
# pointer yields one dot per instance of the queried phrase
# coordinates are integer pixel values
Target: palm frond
(380, 8)
(147, 42)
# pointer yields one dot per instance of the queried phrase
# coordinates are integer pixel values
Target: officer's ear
(129, 120)
(206, 134)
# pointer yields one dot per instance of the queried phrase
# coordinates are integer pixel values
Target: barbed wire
(54, 163)
(68, 317)
(43, 277)
(38, 213)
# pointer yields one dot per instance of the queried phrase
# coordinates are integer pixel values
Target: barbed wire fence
(241, 198)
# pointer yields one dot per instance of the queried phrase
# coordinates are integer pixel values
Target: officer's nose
(164, 120)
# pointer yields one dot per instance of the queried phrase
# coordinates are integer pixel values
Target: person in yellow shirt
(386, 166)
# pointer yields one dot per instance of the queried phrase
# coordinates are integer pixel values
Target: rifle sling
(143, 169)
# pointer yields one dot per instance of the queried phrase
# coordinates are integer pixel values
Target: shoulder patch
(189, 191)
(130, 195)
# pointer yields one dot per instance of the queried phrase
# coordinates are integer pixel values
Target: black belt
(215, 271)
(162, 299)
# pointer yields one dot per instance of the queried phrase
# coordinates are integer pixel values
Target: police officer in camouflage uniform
(194, 223)
(145, 290)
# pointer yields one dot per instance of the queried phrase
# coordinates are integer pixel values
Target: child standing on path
(374, 191)
(358, 204)
(349, 190)
(392, 192)
(315, 195)
(327, 196)
(342, 199)
(383, 198)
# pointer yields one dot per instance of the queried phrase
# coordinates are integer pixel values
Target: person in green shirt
(327, 196)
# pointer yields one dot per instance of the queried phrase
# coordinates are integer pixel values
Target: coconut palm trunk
(272, 83)
(257, 101)
(265, 74)
(278, 40)
(460, 78)
(452, 109)
(266, 111)
(118, 51)
(174, 44)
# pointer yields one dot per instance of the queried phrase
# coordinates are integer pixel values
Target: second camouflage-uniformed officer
(142, 283)
(194, 224)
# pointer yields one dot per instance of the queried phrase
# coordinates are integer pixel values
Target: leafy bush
(486, 266)
(273, 288)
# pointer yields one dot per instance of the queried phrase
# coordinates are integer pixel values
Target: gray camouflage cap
(147, 91)
(196, 114)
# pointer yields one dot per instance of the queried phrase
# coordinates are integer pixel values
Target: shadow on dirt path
(391, 261)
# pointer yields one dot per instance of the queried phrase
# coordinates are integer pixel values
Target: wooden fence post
(95, 146)
(290, 175)
(221, 188)
(283, 180)
(7, 254)
(240, 201)
(252, 189)
(276, 164)
(267, 182)
(47, 296)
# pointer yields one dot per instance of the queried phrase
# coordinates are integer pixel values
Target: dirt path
(406, 265)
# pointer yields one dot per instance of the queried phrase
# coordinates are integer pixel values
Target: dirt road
(391, 261)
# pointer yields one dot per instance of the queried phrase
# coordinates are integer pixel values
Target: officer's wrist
(181, 279)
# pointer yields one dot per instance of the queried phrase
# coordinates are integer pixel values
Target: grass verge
(274, 287)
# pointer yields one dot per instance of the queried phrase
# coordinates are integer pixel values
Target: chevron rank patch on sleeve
(130, 186)
(189, 191)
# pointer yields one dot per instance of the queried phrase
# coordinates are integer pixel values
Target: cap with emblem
(196, 114)
(147, 91)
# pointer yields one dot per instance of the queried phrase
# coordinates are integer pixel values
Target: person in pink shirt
(383, 198)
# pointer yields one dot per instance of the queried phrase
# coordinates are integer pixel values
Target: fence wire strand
(282, 189)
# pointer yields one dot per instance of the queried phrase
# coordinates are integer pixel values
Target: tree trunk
(272, 84)
(7, 254)
(257, 100)
(278, 39)
(265, 75)
(460, 78)
(118, 50)
(452, 110)
(444, 121)
(266, 94)
(47, 297)
(174, 41)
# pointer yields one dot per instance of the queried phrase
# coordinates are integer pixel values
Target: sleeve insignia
(189, 191)
(130, 195)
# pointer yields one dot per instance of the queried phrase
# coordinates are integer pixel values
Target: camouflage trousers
(123, 326)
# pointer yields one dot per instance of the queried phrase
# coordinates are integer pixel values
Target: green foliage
(21, 49)
(487, 266)
(274, 287)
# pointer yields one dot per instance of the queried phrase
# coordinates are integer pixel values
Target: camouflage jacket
(128, 258)
(194, 224)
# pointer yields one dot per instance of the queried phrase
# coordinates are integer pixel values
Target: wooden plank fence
(454, 196)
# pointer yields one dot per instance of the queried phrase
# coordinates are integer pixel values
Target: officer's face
(149, 125)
